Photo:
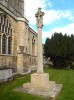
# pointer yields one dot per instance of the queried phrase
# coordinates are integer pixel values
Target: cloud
(51, 15)
(31, 8)
(48, 4)
(69, 29)
(54, 15)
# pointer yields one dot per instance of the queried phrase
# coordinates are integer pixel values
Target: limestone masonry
(18, 42)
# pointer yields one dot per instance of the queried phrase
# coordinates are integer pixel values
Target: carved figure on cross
(39, 18)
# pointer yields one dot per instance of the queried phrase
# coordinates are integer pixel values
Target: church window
(4, 44)
(1, 20)
(33, 40)
(5, 35)
(9, 45)
(5, 29)
(7, 22)
(10, 32)
(2, 28)
(4, 20)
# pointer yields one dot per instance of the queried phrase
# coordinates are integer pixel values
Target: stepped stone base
(41, 86)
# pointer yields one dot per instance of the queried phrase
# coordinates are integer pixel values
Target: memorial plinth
(40, 84)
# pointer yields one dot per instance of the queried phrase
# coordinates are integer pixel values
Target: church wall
(26, 35)
(15, 6)
(14, 35)
(22, 35)
(32, 43)
(10, 60)
(30, 62)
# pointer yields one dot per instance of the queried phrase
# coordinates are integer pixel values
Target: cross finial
(39, 17)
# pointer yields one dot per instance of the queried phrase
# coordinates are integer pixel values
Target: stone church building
(18, 41)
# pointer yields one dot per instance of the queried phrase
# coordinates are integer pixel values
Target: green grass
(66, 77)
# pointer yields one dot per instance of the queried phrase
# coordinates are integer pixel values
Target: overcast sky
(59, 16)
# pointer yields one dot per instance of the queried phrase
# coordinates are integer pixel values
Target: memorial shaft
(39, 15)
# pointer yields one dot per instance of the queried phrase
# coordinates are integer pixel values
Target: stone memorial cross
(39, 23)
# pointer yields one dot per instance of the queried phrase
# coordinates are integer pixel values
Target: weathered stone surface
(40, 80)
(5, 74)
(51, 92)
(39, 23)
(40, 84)
(15, 6)
(22, 35)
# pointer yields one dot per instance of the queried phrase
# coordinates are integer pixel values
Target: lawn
(66, 77)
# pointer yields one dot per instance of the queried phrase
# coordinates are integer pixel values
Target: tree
(60, 49)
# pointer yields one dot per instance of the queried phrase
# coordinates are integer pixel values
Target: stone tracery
(5, 35)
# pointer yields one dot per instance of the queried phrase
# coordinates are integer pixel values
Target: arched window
(9, 45)
(4, 42)
(5, 35)
(2, 28)
(33, 46)
(1, 20)
(6, 29)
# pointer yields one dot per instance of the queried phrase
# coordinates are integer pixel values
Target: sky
(59, 16)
